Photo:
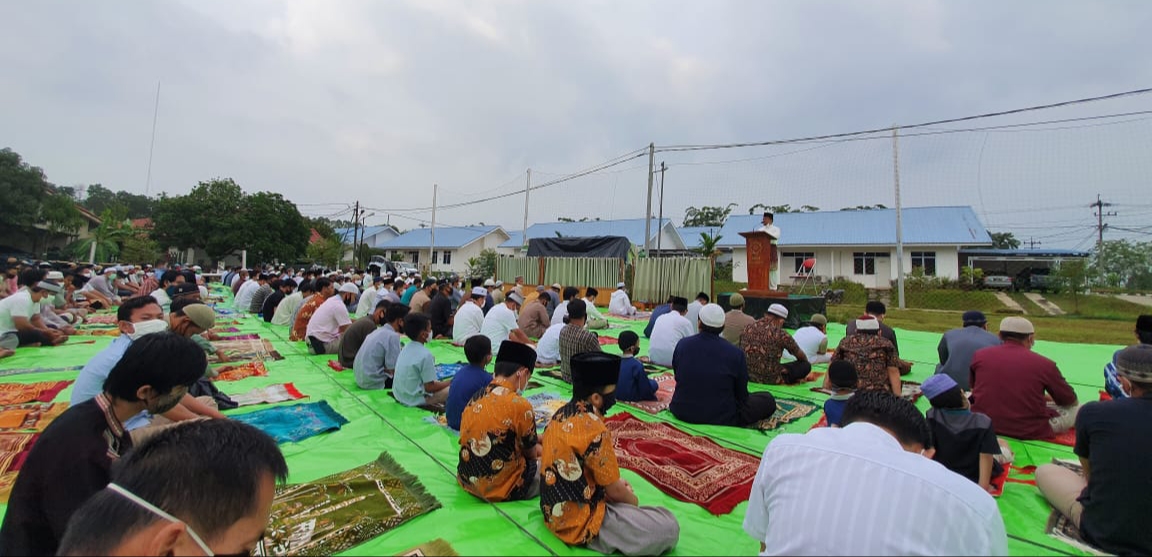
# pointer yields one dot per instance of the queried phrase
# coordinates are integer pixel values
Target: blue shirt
(711, 380)
(90, 382)
(406, 299)
(470, 380)
(834, 408)
(415, 367)
(634, 384)
(656, 313)
(376, 358)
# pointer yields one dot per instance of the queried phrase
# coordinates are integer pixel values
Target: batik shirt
(872, 355)
(763, 344)
(578, 463)
(300, 327)
(496, 427)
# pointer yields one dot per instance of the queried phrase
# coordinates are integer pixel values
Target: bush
(722, 271)
(854, 292)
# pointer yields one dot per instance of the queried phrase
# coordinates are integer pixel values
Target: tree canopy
(22, 189)
(135, 206)
(707, 215)
(1004, 240)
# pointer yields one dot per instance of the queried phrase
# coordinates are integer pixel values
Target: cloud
(334, 102)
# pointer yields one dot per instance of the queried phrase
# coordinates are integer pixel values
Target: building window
(864, 263)
(415, 257)
(925, 260)
(447, 257)
(795, 260)
(435, 257)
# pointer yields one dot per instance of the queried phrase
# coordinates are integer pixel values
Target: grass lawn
(1096, 306)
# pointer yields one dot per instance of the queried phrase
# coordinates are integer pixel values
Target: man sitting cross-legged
(583, 498)
(499, 450)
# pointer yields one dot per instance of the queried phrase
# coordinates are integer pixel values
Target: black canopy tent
(615, 247)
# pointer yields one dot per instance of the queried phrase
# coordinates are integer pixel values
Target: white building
(861, 245)
(666, 236)
(453, 247)
(371, 236)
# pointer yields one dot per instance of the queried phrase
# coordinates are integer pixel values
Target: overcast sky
(336, 101)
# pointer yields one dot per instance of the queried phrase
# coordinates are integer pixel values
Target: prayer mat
(532, 385)
(667, 387)
(436, 547)
(448, 371)
(225, 330)
(223, 311)
(910, 390)
(787, 411)
(248, 349)
(822, 422)
(7, 480)
(651, 368)
(553, 373)
(1068, 438)
(246, 336)
(32, 416)
(101, 319)
(21, 371)
(272, 394)
(14, 449)
(607, 341)
(997, 483)
(545, 406)
(540, 366)
(19, 393)
(339, 512)
(434, 408)
(440, 420)
(1063, 529)
(99, 332)
(292, 424)
(236, 372)
(689, 468)
(335, 366)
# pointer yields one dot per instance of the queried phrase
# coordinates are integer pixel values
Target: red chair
(806, 273)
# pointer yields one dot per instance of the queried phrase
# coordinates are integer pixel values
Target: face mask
(86, 275)
(148, 327)
(111, 276)
(609, 402)
(162, 404)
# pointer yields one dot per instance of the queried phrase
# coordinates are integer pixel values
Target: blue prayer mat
(447, 371)
(291, 424)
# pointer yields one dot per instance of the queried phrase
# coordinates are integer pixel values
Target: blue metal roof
(922, 226)
(633, 229)
(691, 234)
(345, 234)
(448, 237)
(1026, 253)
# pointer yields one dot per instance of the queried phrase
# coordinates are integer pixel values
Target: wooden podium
(762, 259)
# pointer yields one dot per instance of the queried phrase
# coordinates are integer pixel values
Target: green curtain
(582, 271)
(508, 268)
(658, 278)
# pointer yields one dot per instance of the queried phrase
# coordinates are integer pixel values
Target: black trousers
(797, 371)
(756, 407)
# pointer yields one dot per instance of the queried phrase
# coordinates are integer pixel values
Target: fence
(657, 278)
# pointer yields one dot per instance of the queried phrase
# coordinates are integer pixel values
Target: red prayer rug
(605, 341)
(31, 416)
(1068, 438)
(667, 387)
(19, 393)
(689, 468)
(237, 372)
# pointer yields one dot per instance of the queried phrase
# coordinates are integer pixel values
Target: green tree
(107, 237)
(865, 207)
(777, 209)
(58, 213)
(139, 248)
(1125, 264)
(483, 266)
(707, 215)
(708, 244)
(22, 188)
(1074, 275)
(98, 198)
(1004, 240)
(327, 252)
(274, 228)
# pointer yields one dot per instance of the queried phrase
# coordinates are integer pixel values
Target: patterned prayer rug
(105, 332)
(910, 390)
(433, 408)
(21, 371)
(687, 467)
(245, 336)
(1068, 438)
(101, 319)
(272, 394)
(1063, 529)
(7, 480)
(437, 547)
(250, 349)
(447, 371)
(236, 372)
(553, 373)
(339, 512)
(19, 393)
(651, 368)
(14, 449)
(608, 341)
(545, 406)
(787, 411)
(292, 424)
(667, 387)
(32, 416)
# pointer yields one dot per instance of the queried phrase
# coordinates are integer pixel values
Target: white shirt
(560, 313)
(498, 324)
(469, 320)
(693, 315)
(244, 295)
(808, 339)
(367, 302)
(772, 230)
(620, 304)
(595, 319)
(19, 304)
(548, 349)
(666, 333)
(288, 307)
(329, 317)
(162, 298)
(856, 491)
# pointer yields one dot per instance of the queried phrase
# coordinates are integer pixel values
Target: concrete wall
(832, 262)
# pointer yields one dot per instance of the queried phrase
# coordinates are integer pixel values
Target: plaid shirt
(763, 344)
(574, 340)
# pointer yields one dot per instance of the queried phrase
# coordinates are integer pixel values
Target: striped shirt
(857, 491)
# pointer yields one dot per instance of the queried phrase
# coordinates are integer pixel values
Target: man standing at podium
(773, 231)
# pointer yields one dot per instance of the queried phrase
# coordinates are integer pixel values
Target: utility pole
(899, 217)
(648, 216)
(1033, 243)
(356, 232)
(660, 219)
(527, 188)
(432, 243)
(1099, 205)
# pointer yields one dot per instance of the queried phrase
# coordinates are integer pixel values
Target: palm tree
(708, 244)
(106, 238)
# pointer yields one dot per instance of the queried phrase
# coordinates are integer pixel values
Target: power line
(888, 129)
